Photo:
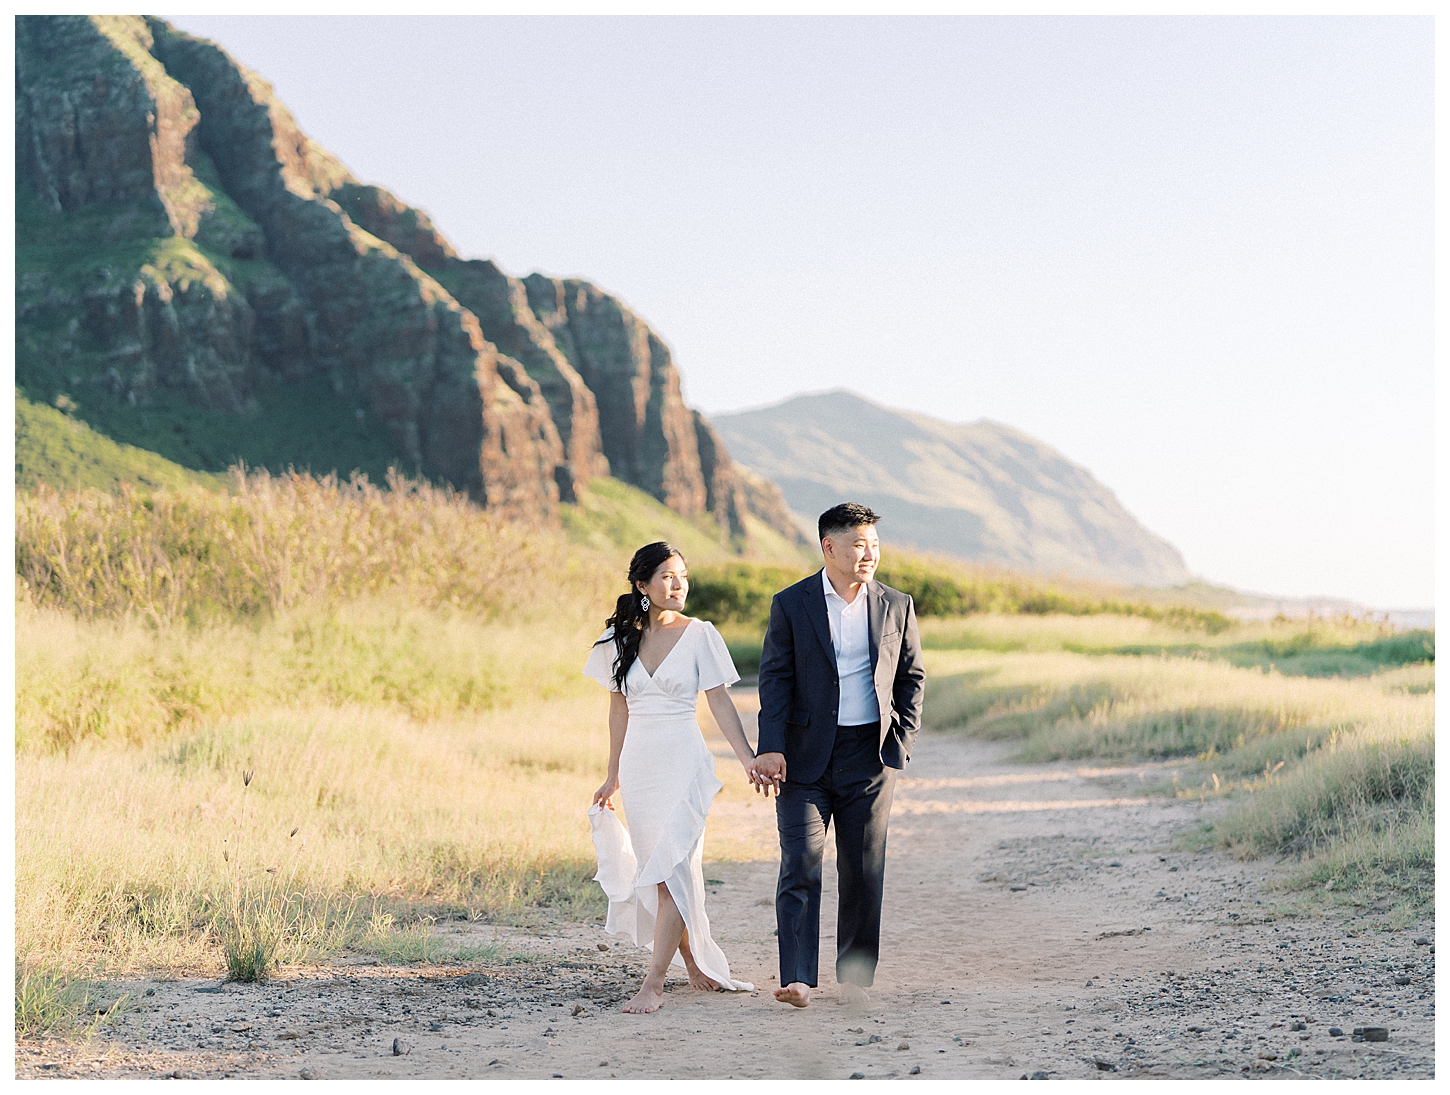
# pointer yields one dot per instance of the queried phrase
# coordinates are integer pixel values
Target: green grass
(1308, 648)
(51, 1001)
(615, 518)
(64, 453)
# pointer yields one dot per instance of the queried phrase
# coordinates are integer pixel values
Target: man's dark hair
(845, 516)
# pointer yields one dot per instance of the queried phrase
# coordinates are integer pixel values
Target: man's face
(853, 553)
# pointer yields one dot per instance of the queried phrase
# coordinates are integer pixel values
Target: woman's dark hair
(629, 615)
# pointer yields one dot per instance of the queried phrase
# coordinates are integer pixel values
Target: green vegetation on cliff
(57, 450)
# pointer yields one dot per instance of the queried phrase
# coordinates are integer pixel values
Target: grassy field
(1320, 734)
(278, 718)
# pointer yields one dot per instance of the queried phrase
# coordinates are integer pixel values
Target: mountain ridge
(981, 491)
(185, 253)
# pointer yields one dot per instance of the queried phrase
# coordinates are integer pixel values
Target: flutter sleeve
(600, 665)
(715, 665)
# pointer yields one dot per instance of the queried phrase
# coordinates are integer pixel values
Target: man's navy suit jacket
(800, 691)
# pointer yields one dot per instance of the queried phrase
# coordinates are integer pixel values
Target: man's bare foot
(647, 999)
(854, 995)
(797, 994)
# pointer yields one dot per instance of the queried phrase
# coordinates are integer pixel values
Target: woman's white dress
(666, 781)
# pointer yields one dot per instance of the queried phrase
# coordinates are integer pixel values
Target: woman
(655, 661)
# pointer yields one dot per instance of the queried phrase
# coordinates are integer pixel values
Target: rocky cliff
(180, 238)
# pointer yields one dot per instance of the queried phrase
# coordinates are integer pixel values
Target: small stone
(858, 1075)
(904, 1045)
(435, 1026)
(578, 1010)
(1335, 1032)
(401, 1047)
(311, 1073)
(241, 1028)
(1299, 1025)
(1268, 1055)
(1115, 863)
(1372, 1034)
(1104, 1066)
(1402, 979)
(1421, 941)
(602, 946)
(915, 1070)
(1039, 1075)
(1017, 889)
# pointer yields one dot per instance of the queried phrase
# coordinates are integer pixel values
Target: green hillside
(614, 516)
(53, 448)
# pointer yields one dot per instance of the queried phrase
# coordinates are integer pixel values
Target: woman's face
(669, 586)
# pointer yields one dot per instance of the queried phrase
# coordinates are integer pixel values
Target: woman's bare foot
(647, 999)
(797, 994)
(699, 980)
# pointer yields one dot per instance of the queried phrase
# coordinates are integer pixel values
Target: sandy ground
(1040, 921)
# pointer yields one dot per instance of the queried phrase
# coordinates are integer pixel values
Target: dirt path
(1039, 921)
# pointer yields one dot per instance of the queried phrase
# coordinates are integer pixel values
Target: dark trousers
(855, 791)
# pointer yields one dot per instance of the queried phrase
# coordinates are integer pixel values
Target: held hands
(767, 773)
(606, 791)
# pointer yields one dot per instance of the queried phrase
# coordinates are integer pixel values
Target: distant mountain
(980, 491)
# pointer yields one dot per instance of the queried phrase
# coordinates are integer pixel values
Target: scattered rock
(401, 1047)
(578, 1010)
(435, 1026)
(1199, 1030)
(1104, 1066)
(470, 979)
(1371, 1034)
(1335, 1032)
(1422, 941)
(1402, 979)
(1298, 1026)
(602, 946)
(915, 1070)
(311, 1073)
(858, 1075)
(1039, 1075)
(241, 1028)
(1268, 1055)
(903, 1045)
(1017, 889)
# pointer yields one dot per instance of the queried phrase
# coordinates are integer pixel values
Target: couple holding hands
(841, 682)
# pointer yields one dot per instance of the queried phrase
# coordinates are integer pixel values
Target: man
(841, 683)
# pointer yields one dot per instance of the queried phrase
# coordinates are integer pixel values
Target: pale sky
(1193, 254)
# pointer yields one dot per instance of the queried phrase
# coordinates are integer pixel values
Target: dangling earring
(644, 603)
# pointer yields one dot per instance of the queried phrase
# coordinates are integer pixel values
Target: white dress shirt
(851, 637)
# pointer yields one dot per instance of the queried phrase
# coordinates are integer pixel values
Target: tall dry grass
(1336, 772)
(279, 543)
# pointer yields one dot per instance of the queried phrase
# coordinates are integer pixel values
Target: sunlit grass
(1336, 772)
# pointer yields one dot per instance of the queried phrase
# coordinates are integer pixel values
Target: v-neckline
(683, 631)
